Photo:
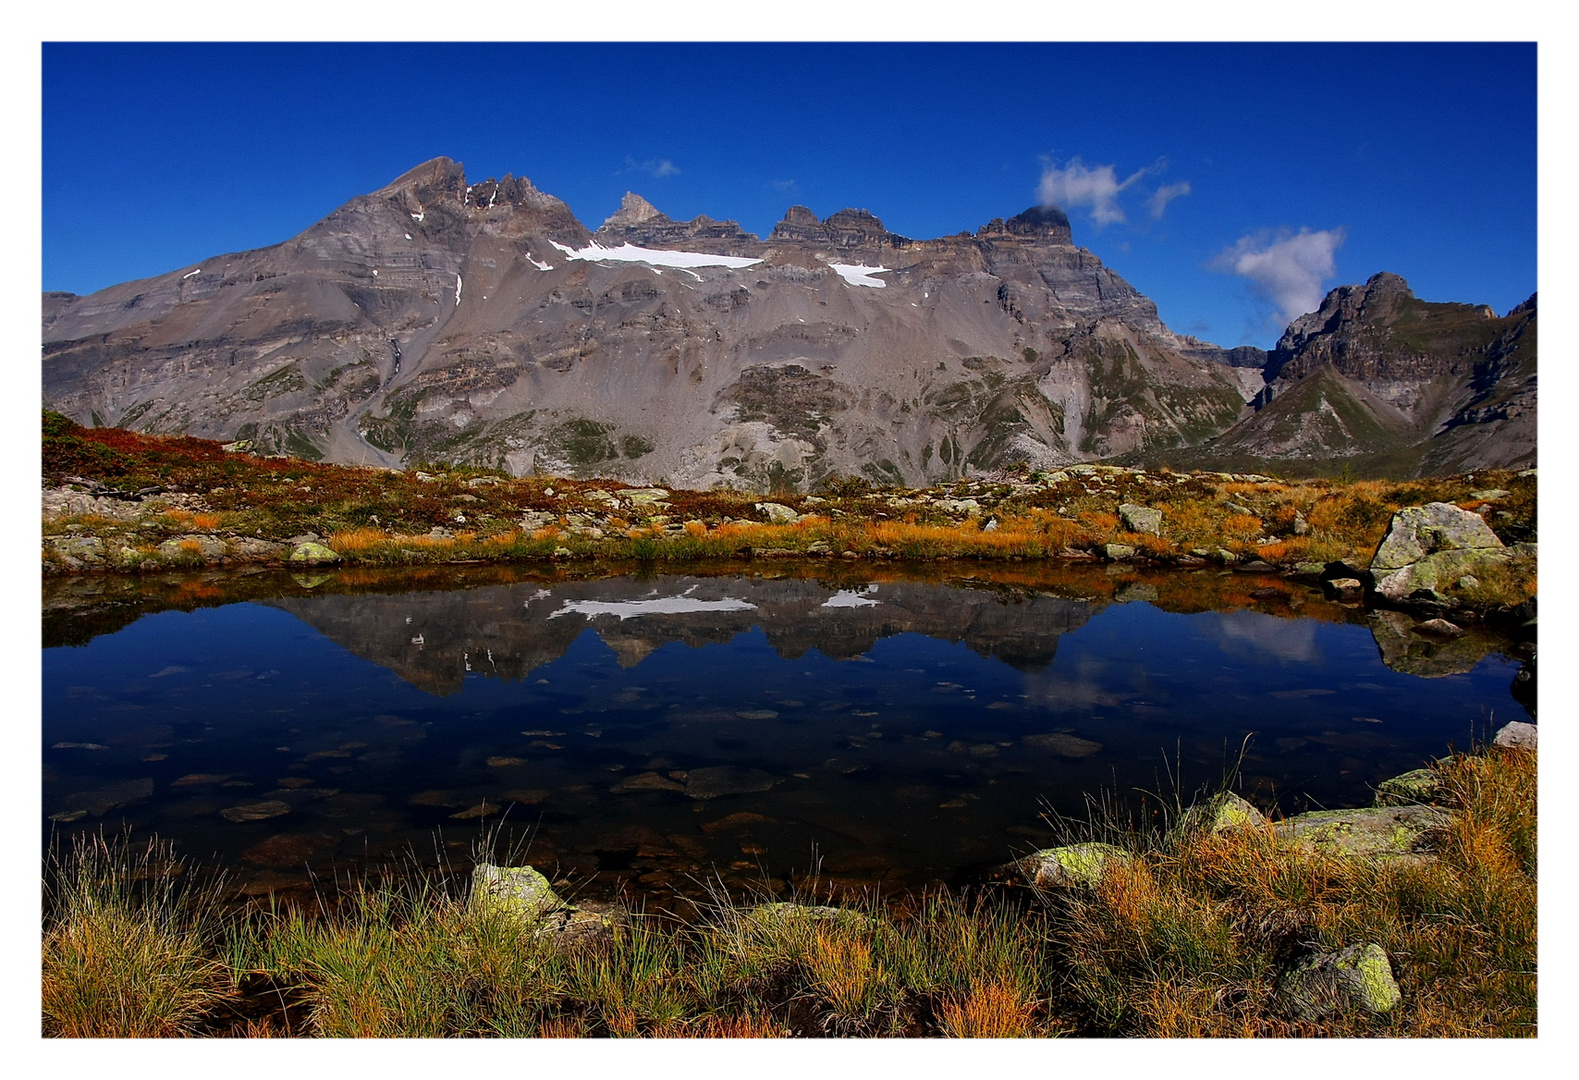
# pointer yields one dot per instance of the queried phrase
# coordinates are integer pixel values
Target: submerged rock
(257, 811)
(1063, 744)
(647, 781)
(714, 781)
(1358, 978)
(102, 800)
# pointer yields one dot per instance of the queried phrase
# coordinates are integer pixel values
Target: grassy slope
(385, 517)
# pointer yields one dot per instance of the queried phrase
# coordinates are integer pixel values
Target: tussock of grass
(129, 946)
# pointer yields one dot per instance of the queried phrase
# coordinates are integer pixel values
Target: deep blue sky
(1420, 159)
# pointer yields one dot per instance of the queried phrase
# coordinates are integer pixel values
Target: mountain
(439, 320)
(1381, 379)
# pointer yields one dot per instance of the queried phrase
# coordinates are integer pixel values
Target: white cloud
(1287, 269)
(1076, 185)
(659, 167)
(1164, 195)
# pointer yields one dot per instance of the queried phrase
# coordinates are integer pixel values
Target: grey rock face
(438, 319)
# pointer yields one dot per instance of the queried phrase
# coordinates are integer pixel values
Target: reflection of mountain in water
(431, 639)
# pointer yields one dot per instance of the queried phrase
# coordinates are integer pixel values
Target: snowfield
(860, 275)
(631, 253)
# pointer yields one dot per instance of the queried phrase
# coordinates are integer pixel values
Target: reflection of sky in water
(1249, 633)
(922, 752)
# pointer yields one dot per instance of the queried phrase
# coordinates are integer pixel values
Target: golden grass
(989, 1010)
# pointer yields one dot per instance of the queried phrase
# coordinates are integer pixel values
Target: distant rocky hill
(437, 320)
(1395, 384)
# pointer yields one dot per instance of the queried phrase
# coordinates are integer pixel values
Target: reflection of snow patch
(635, 609)
(861, 275)
(851, 598)
(632, 253)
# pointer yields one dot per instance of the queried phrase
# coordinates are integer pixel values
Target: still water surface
(647, 730)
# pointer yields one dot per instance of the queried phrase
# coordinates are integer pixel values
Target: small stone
(1347, 590)
(1119, 552)
(1516, 734)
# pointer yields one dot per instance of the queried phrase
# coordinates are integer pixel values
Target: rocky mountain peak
(634, 210)
(848, 228)
(1047, 222)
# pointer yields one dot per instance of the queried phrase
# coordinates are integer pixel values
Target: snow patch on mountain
(861, 275)
(631, 253)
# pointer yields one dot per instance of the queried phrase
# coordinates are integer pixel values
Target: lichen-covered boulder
(1119, 552)
(1140, 519)
(1392, 832)
(1431, 547)
(1071, 865)
(1358, 978)
(314, 554)
(1414, 786)
(516, 890)
(1220, 813)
